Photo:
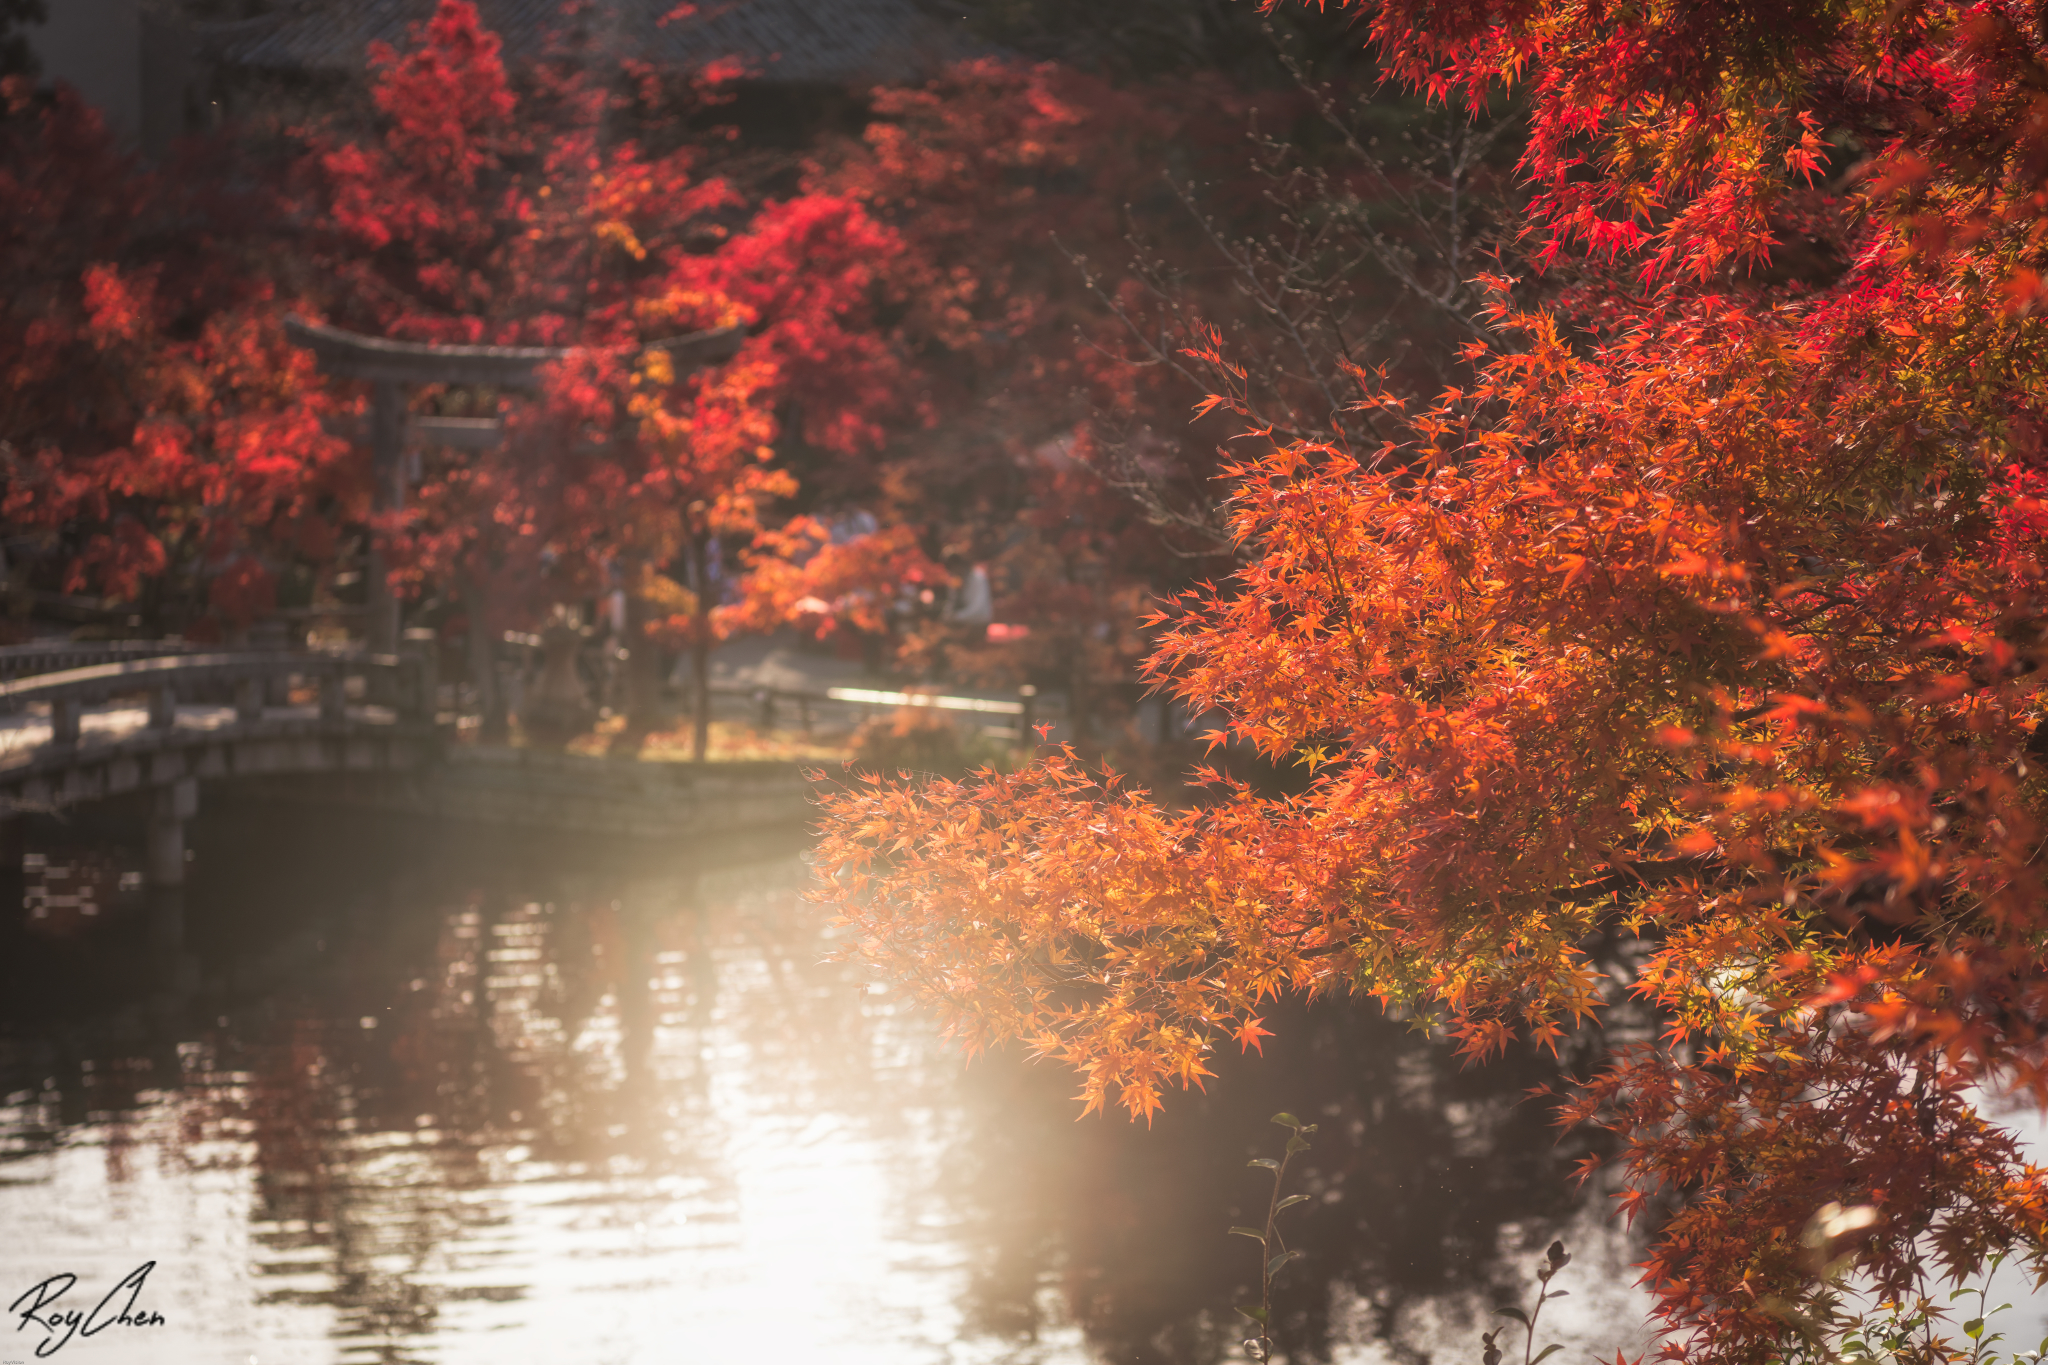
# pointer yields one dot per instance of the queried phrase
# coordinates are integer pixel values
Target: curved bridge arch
(162, 724)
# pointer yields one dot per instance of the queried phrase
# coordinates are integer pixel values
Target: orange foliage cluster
(1710, 621)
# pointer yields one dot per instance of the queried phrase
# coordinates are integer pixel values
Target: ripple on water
(504, 1111)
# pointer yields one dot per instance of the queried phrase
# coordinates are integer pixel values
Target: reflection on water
(415, 1099)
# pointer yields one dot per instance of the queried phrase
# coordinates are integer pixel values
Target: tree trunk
(640, 698)
(700, 647)
(387, 459)
(483, 665)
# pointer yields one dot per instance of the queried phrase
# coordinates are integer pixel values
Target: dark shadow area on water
(1431, 1186)
(409, 1034)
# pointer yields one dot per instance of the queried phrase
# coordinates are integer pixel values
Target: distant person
(853, 526)
(973, 601)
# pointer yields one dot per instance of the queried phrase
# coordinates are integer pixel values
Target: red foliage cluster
(161, 437)
(475, 204)
(491, 211)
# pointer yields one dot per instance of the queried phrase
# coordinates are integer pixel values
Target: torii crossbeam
(387, 365)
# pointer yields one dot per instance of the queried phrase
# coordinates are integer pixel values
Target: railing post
(173, 806)
(63, 720)
(334, 693)
(419, 678)
(1026, 694)
(163, 707)
(503, 699)
(387, 497)
(803, 711)
(249, 698)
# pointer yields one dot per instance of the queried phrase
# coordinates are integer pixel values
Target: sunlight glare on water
(490, 1109)
(723, 1163)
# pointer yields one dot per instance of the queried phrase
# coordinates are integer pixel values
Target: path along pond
(407, 1094)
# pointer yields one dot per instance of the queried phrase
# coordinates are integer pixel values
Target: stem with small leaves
(1260, 1347)
(1554, 1260)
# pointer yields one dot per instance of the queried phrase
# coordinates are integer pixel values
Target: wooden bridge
(353, 728)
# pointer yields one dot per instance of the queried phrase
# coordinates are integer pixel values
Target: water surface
(403, 1094)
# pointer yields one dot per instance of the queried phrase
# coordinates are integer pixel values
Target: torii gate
(388, 365)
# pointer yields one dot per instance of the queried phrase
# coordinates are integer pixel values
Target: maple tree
(1067, 233)
(504, 207)
(1687, 651)
(161, 440)
(570, 202)
(889, 303)
(992, 174)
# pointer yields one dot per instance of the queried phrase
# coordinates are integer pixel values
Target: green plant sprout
(1554, 1260)
(1260, 1347)
(1911, 1330)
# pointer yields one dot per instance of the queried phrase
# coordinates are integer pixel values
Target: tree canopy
(1687, 649)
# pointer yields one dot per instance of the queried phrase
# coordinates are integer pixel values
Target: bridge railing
(247, 678)
(50, 656)
(770, 705)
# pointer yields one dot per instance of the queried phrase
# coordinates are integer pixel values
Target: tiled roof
(784, 41)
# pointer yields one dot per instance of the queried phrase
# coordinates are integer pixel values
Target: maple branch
(1395, 260)
(1633, 876)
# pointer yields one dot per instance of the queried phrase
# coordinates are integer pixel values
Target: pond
(405, 1094)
